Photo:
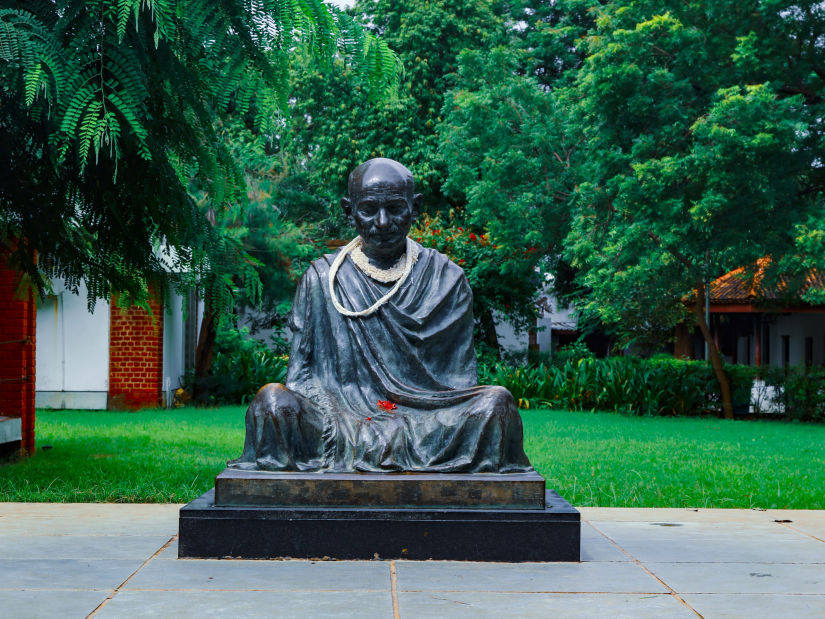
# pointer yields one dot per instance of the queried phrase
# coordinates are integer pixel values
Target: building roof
(749, 286)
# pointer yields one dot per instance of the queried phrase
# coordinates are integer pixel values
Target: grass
(610, 460)
(590, 458)
(150, 456)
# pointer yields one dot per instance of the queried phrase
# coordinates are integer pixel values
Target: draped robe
(415, 351)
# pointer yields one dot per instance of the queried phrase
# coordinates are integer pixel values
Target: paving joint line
(793, 528)
(542, 592)
(394, 590)
(132, 575)
(245, 589)
(645, 568)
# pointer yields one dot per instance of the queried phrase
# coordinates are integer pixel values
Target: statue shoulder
(441, 262)
(318, 270)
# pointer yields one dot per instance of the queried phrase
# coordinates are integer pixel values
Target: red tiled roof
(748, 286)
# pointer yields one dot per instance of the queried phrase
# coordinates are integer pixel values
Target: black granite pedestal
(258, 532)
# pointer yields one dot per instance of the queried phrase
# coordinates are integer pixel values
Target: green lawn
(590, 458)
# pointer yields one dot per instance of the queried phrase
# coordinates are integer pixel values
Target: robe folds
(415, 351)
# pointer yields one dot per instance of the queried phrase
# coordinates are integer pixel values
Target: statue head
(382, 205)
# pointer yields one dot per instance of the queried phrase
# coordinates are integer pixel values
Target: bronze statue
(382, 372)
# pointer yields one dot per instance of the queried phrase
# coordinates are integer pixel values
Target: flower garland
(409, 258)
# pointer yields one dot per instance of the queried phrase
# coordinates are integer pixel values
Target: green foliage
(572, 352)
(242, 365)
(332, 126)
(697, 152)
(798, 391)
(658, 386)
(504, 143)
(500, 281)
(549, 36)
(109, 112)
(270, 225)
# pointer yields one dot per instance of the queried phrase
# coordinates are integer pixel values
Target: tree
(507, 155)
(333, 125)
(549, 36)
(108, 114)
(701, 132)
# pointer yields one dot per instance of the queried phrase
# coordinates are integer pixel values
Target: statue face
(382, 206)
(382, 213)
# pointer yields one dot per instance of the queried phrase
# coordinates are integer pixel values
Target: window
(786, 351)
(809, 351)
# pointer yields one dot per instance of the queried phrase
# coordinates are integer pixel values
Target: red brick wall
(135, 356)
(17, 335)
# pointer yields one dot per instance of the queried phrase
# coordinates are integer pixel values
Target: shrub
(799, 391)
(241, 366)
(658, 386)
(571, 352)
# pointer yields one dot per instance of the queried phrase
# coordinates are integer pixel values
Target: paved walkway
(120, 561)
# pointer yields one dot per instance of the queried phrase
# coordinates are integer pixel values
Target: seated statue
(382, 372)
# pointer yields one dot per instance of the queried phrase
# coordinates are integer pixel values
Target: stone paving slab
(664, 514)
(88, 519)
(210, 574)
(48, 603)
(736, 605)
(456, 605)
(249, 604)
(596, 547)
(703, 542)
(80, 574)
(741, 577)
(67, 560)
(587, 577)
(81, 546)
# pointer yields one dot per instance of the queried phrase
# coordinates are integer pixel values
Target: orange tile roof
(748, 286)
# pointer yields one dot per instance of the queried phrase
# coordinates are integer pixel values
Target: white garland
(411, 257)
(385, 276)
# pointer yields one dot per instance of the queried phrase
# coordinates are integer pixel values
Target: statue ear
(346, 205)
(417, 200)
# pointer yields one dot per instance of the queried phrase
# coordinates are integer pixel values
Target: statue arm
(300, 325)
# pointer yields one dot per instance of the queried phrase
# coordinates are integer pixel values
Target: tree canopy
(643, 148)
(701, 133)
(108, 120)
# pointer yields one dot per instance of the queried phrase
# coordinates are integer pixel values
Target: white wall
(174, 337)
(798, 327)
(552, 315)
(72, 352)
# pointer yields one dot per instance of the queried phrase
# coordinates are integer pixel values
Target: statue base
(386, 490)
(311, 532)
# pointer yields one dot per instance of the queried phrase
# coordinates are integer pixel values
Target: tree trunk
(488, 329)
(713, 351)
(205, 350)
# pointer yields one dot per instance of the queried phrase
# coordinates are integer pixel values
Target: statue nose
(383, 220)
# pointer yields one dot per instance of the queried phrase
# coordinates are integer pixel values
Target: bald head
(382, 205)
(380, 171)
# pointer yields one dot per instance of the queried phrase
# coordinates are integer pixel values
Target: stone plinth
(549, 534)
(384, 490)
